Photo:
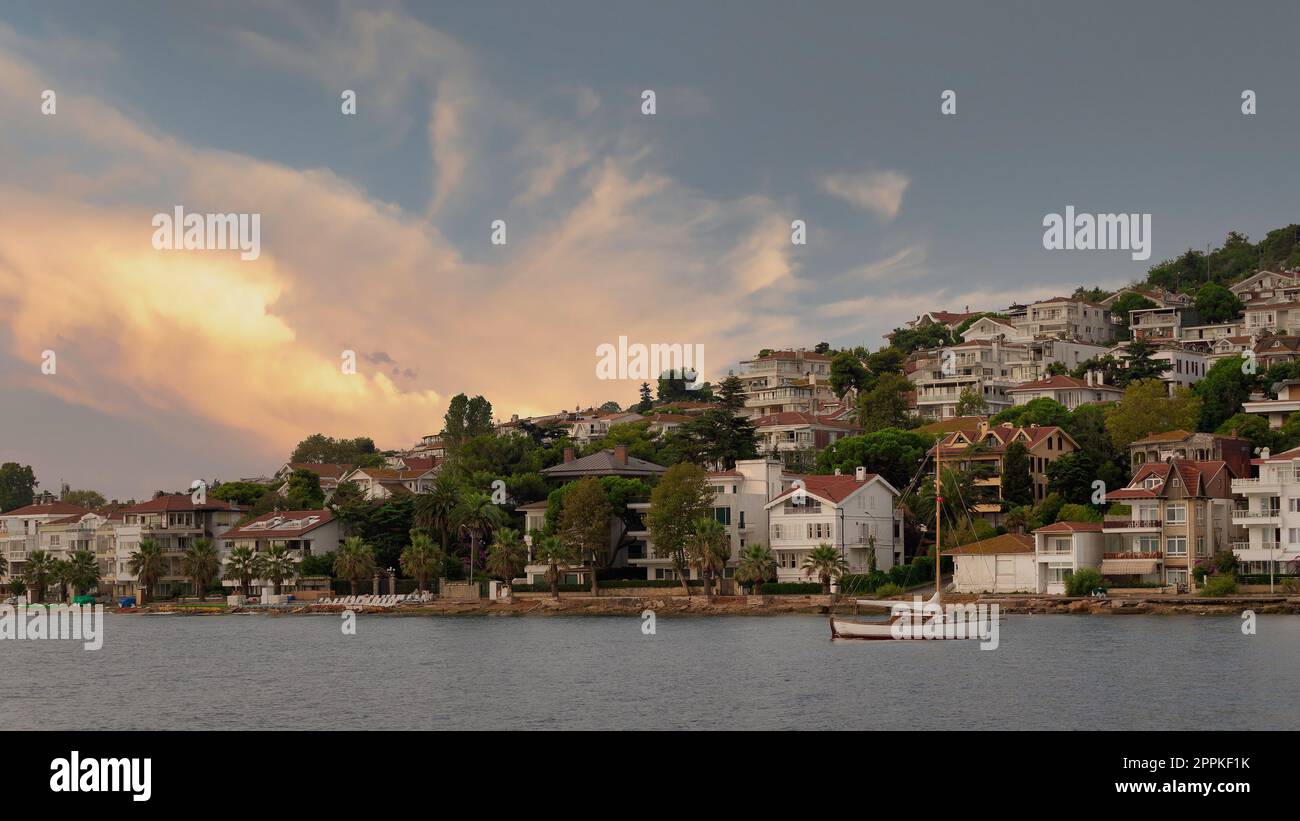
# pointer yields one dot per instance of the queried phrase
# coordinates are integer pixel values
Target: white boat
(908, 620)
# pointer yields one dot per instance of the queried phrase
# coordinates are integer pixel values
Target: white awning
(1128, 567)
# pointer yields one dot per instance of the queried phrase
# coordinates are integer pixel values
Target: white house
(1064, 548)
(1067, 390)
(1002, 564)
(1271, 516)
(1276, 410)
(851, 513)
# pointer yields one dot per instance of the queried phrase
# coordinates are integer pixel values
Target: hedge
(790, 589)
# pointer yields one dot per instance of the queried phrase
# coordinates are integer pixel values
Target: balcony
(1271, 486)
(1128, 523)
(1268, 516)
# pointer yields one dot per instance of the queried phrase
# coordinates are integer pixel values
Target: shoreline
(761, 606)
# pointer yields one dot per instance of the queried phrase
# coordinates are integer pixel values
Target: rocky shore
(773, 605)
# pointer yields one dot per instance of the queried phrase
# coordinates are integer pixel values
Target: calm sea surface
(301, 672)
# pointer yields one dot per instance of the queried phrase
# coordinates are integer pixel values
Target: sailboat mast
(938, 514)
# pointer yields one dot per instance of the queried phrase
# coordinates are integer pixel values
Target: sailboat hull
(843, 628)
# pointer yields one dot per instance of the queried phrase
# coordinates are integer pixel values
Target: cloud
(604, 244)
(880, 192)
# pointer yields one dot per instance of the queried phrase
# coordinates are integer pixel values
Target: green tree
(1140, 364)
(756, 566)
(202, 564)
(508, 556)
(970, 402)
(478, 516)
(1223, 390)
(243, 565)
(1083, 581)
(304, 491)
(847, 373)
(1147, 408)
(1251, 427)
(893, 453)
(17, 486)
(421, 559)
(1216, 303)
(92, 499)
(647, 400)
(147, 564)
(1078, 513)
(554, 553)
(321, 449)
(1043, 412)
(1071, 476)
(584, 523)
(278, 565)
(354, 560)
(241, 493)
(708, 549)
(826, 563)
(82, 571)
(680, 498)
(1017, 484)
(436, 509)
(885, 404)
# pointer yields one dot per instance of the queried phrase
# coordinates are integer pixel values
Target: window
(1176, 514)
(776, 532)
(1176, 546)
(723, 515)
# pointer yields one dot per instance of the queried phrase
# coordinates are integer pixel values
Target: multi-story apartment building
(1194, 446)
(173, 522)
(1275, 350)
(740, 499)
(983, 366)
(19, 530)
(1267, 286)
(1032, 362)
(1062, 549)
(983, 450)
(1186, 366)
(1067, 390)
(796, 438)
(1159, 296)
(1179, 512)
(781, 381)
(854, 514)
(1270, 514)
(1066, 318)
(1160, 324)
(1280, 318)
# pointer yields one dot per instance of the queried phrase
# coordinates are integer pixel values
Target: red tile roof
(832, 488)
(325, 470)
(1060, 382)
(1071, 527)
(786, 418)
(178, 502)
(284, 524)
(50, 509)
(1005, 543)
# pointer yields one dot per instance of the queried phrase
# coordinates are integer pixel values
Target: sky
(673, 227)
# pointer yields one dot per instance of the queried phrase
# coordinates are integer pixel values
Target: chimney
(837, 471)
(1087, 377)
(620, 454)
(860, 473)
(568, 455)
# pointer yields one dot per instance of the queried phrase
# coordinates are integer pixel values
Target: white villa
(1064, 548)
(1271, 516)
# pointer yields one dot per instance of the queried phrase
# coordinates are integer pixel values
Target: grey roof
(602, 463)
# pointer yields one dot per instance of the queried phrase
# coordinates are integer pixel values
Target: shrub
(862, 582)
(1082, 582)
(1222, 584)
(888, 589)
(790, 589)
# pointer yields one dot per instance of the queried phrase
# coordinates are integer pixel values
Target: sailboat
(909, 619)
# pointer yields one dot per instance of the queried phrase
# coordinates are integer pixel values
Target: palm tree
(202, 564)
(82, 571)
(17, 586)
(4, 565)
(38, 572)
(243, 565)
(827, 563)
(146, 564)
(709, 547)
(436, 509)
(554, 552)
(507, 556)
(421, 558)
(59, 574)
(355, 560)
(279, 564)
(757, 565)
(480, 517)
